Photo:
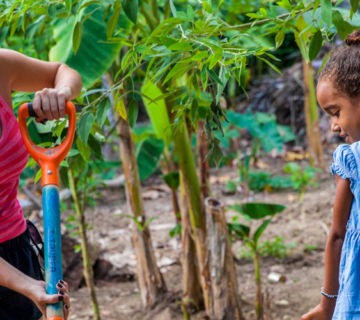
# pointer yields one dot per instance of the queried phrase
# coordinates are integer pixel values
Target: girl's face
(344, 111)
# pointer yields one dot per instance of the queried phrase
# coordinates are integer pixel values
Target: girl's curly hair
(343, 67)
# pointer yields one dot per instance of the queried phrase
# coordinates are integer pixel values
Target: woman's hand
(39, 296)
(49, 104)
(319, 313)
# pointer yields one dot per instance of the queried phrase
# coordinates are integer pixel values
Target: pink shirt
(13, 159)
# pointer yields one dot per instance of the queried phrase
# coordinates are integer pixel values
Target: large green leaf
(258, 210)
(95, 54)
(147, 155)
(157, 111)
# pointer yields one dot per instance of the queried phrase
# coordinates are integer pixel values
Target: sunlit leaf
(77, 34)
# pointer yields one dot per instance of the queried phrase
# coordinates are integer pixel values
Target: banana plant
(237, 231)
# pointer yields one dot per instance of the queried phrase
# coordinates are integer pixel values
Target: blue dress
(347, 165)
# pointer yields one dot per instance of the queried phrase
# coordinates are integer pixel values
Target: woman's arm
(53, 82)
(342, 206)
(15, 280)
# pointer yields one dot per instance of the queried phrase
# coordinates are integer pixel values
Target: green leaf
(354, 5)
(83, 149)
(343, 27)
(95, 146)
(172, 179)
(272, 66)
(148, 154)
(279, 38)
(200, 55)
(292, 167)
(240, 230)
(301, 42)
(181, 46)
(204, 78)
(84, 126)
(157, 111)
(207, 6)
(133, 110)
(112, 23)
(95, 54)
(131, 8)
(315, 45)
(258, 210)
(260, 231)
(177, 71)
(326, 8)
(120, 108)
(101, 111)
(77, 34)
(176, 231)
(68, 4)
(37, 176)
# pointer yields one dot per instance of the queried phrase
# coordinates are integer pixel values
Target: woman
(22, 291)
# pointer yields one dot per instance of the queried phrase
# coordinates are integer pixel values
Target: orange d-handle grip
(48, 159)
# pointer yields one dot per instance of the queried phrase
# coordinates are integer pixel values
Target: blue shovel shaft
(52, 244)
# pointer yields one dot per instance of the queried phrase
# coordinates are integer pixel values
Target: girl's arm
(342, 206)
(53, 82)
(15, 280)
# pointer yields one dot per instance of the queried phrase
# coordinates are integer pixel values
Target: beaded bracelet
(330, 296)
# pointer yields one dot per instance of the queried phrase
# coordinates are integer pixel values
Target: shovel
(49, 161)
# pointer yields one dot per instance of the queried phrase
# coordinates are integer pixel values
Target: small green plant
(276, 248)
(258, 181)
(176, 231)
(141, 225)
(309, 248)
(301, 179)
(253, 211)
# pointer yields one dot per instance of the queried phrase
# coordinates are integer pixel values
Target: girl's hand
(39, 296)
(319, 313)
(49, 104)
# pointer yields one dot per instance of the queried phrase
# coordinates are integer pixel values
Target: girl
(22, 293)
(338, 93)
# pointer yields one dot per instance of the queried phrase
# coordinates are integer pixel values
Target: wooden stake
(225, 302)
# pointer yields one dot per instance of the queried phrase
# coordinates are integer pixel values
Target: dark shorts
(19, 253)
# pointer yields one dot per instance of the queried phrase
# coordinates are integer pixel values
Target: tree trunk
(196, 208)
(203, 162)
(85, 252)
(192, 295)
(151, 282)
(225, 299)
(312, 117)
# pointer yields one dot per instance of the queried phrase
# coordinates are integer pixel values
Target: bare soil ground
(306, 224)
